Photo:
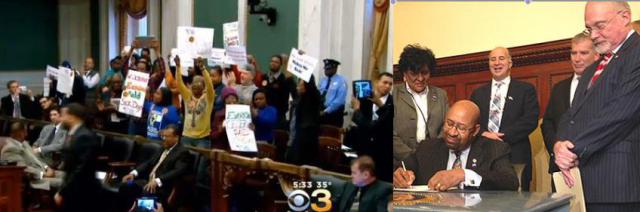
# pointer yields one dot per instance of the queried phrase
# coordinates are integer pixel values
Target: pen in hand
(404, 168)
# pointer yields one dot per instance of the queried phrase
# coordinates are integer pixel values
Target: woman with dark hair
(107, 104)
(265, 117)
(218, 134)
(161, 113)
(305, 119)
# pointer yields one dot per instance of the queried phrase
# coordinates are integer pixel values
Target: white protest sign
(217, 57)
(46, 86)
(237, 120)
(193, 42)
(52, 71)
(230, 34)
(301, 65)
(65, 80)
(237, 55)
(132, 99)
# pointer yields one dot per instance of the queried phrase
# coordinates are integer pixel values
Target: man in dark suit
(365, 189)
(80, 190)
(27, 104)
(600, 133)
(508, 111)
(158, 175)
(582, 55)
(460, 158)
(373, 118)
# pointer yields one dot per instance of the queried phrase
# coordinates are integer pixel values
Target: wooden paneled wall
(542, 65)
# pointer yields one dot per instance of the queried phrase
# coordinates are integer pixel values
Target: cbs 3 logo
(299, 200)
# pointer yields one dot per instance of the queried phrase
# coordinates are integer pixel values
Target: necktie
(457, 163)
(358, 193)
(16, 108)
(326, 87)
(495, 109)
(153, 171)
(600, 68)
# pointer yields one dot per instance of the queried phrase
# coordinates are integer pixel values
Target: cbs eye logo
(299, 200)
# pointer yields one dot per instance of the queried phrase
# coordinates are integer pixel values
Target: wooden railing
(228, 169)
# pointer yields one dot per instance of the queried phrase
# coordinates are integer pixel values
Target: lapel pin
(473, 164)
(434, 98)
(510, 98)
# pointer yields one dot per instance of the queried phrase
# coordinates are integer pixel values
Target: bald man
(508, 111)
(460, 158)
(600, 133)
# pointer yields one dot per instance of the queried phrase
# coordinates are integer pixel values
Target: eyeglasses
(600, 26)
(459, 127)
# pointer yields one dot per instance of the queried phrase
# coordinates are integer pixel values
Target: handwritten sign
(46, 86)
(237, 54)
(230, 34)
(237, 120)
(217, 57)
(132, 100)
(65, 80)
(301, 65)
(52, 71)
(194, 42)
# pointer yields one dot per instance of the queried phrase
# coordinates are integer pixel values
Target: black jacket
(176, 165)
(519, 116)
(491, 162)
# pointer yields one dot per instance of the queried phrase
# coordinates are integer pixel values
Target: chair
(116, 154)
(329, 153)
(280, 139)
(266, 150)
(331, 131)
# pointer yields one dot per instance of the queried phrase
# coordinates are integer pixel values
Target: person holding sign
(161, 113)
(264, 116)
(218, 132)
(197, 116)
(107, 105)
(333, 89)
(305, 120)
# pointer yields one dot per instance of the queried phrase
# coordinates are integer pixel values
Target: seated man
(51, 138)
(17, 149)
(460, 159)
(364, 189)
(157, 176)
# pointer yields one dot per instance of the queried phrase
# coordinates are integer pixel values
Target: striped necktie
(600, 68)
(495, 109)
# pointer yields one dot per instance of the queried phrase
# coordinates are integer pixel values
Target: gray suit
(22, 153)
(405, 118)
(49, 143)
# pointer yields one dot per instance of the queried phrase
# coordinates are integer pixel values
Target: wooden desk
(11, 188)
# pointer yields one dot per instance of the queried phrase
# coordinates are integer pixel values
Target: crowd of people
(191, 107)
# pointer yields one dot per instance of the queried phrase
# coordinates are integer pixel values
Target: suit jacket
(28, 108)
(492, 163)
(48, 144)
(21, 153)
(374, 197)
(558, 104)
(519, 116)
(175, 165)
(604, 125)
(405, 118)
(374, 138)
(80, 153)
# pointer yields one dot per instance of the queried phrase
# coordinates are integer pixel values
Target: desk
(11, 188)
(480, 201)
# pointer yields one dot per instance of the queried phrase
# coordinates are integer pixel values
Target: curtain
(379, 37)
